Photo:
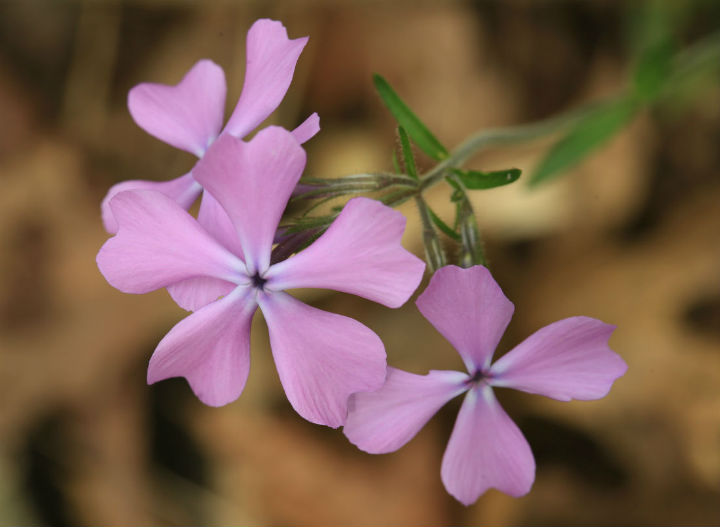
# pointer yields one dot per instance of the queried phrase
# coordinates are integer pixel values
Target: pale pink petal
(159, 244)
(360, 253)
(271, 59)
(486, 450)
(383, 421)
(307, 129)
(253, 182)
(322, 358)
(469, 309)
(217, 222)
(194, 293)
(183, 190)
(569, 359)
(210, 348)
(188, 115)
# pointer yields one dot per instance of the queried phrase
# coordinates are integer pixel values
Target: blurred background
(629, 236)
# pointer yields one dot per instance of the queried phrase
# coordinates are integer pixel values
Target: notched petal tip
(469, 309)
(568, 359)
(187, 115)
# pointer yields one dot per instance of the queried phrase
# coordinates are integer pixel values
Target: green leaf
(444, 227)
(407, 153)
(588, 134)
(423, 138)
(655, 49)
(476, 180)
(396, 163)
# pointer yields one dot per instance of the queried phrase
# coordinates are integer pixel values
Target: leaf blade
(415, 128)
(477, 180)
(588, 134)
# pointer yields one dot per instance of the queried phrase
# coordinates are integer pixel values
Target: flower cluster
(333, 369)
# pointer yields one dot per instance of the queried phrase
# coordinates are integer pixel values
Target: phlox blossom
(321, 358)
(189, 116)
(569, 359)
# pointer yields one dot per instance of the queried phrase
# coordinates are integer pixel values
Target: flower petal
(361, 253)
(486, 450)
(197, 292)
(271, 59)
(307, 129)
(322, 358)
(253, 182)
(469, 309)
(383, 421)
(184, 190)
(569, 359)
(194, 293)
(217, 222)
(159, 244)
(188, 115)
(210, 348)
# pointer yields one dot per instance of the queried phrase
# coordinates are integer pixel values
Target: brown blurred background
(630, 236)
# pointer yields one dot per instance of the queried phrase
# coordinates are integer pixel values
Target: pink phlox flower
(321, 358)
(189, 116)
(569, 359)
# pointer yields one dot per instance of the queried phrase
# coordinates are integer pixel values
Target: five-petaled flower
(321, 358)
(189, 116)
(569, 359)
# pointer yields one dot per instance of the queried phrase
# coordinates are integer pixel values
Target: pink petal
(253, 182)
(210, 348)
(383, 421)
(194, 293)
(197, 292)
(159, 244)
(188, 115)
(322, 358)
(569, 359)
(469, 309)
(486, 450)
(271, 59)
(361, 253)
(217, 222)
(184, 190)
(307, 129)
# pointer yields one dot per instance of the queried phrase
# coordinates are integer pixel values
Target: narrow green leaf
(407, 153)
(396, 163)
(588, 134)
(476, 180)
(423, 138)
(655, 49)
(444, 227)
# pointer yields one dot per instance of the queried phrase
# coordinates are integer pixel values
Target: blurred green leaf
(444, 227)
(655, 48)
(423, 138)
(476, 180)
(694, 64)
(588, 134)
(407, 153)
(396, 163)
